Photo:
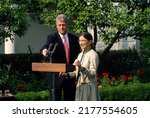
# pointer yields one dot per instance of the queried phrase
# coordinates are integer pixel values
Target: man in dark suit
(63, 86)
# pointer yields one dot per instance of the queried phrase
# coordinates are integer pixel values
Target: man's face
(61, 26)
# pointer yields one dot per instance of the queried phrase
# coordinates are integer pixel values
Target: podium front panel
(52, 67)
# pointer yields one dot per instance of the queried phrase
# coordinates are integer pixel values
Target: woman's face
(84, 43)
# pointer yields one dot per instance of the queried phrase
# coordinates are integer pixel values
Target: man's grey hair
(62, 17)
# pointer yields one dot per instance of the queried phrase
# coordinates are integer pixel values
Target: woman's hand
(78, 63)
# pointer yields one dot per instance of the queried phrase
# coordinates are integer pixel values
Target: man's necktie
(66, 49)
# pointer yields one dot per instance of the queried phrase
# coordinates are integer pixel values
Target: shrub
(32, 96)
(120, 62)
(4, 76)
(133, 92)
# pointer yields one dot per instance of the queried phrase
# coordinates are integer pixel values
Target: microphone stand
(53, 76)
(51, 52)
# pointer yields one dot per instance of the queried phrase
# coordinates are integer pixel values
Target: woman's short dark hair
(87, 35)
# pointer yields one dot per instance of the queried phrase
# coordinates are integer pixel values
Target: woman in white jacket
(86, 69)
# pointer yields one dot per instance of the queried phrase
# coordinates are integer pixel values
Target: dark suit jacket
(59, 54)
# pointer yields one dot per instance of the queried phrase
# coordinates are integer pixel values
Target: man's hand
(62, 75)
(45, 52)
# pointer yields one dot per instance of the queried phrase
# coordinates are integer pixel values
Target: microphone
(50, 47)
(55, 46)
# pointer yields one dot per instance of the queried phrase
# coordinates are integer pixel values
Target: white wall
(35, 38)
(121, 45)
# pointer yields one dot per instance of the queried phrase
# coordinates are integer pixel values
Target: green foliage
(21, 82)
(145, 43)
(104, 13)
(133, 92)
(4, 76)
(32, 96)
(26, 85)
(20, 77)
(121, 62)
(13, 19)
(112, 20)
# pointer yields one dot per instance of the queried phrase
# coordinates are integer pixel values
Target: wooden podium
(52, 67)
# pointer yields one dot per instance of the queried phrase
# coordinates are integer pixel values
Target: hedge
(134, 92)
